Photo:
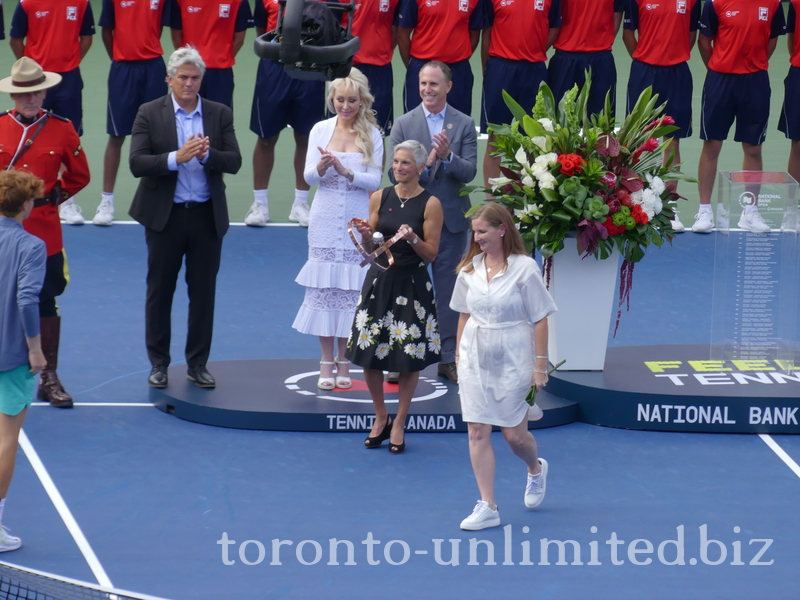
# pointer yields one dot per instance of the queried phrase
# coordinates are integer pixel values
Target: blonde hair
(495, 214)
(365, 120)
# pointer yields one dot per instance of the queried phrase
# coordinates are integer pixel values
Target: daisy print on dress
(401, 301)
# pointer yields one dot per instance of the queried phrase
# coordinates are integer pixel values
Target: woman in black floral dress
(395, 328)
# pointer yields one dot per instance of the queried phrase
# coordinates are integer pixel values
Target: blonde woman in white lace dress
(345, 157)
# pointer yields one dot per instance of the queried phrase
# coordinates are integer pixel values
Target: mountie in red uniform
(55, 144)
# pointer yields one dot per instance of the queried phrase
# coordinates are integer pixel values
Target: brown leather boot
(50, 388)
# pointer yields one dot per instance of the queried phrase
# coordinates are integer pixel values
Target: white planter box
(583, 290)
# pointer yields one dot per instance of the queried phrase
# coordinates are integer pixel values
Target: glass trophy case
(756, 271)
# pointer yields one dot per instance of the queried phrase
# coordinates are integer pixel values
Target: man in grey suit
(180, 147)
(452, 143)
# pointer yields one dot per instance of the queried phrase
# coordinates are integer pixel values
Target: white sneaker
(8, 542)
(723, 219)
(677, 226)
(105, 214)
(299, 214)
(537, 485)
(753, 221)
(535, 413)
(70, 213)
(703, 222)
(258, 215)
(482, 517)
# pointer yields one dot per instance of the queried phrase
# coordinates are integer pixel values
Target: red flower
(613, 229)
(571, 164)
(624, 197)
(665, 120)
(639, 215)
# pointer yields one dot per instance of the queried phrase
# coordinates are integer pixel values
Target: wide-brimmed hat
(28, 76)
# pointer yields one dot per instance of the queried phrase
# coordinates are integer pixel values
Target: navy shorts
(381, 84)
(741, 97)
(279, 101)
(217, 86)
(460, 96)
(519, 78)
(131, 83)
(65, 99)
(567, 69)
(673, 85)
(789, 122)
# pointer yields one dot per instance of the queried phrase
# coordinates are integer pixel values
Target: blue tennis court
(144, 501)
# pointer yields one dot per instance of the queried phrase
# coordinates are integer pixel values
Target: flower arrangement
(569, 173)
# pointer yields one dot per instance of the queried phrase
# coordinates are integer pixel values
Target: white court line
(780, 452)
(63, 511)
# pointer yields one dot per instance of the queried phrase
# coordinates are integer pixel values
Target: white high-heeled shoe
(325, 383)
(342, 382)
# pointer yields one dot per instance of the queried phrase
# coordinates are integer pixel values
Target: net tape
(18, 583)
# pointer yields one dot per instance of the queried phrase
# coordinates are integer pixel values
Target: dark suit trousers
(451, 251)
(189, 232)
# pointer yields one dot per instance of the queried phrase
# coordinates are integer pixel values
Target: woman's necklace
(488, 268)
(404, 200)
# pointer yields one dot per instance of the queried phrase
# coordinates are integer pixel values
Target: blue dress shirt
(192, 180)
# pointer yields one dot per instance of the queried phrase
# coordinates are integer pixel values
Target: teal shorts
(16, 390)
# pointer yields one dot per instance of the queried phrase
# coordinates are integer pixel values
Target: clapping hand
(196, 146)
(328, 159)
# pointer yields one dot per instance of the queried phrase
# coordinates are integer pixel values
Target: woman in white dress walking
(500, 293)
(345, 157)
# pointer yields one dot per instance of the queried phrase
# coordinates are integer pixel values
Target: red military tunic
(56, 144)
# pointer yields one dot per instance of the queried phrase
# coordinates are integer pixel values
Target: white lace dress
(332, 276)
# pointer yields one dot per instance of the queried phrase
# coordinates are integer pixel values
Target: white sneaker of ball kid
(258, 215)
(104, 215)
(703, 222)
(753, 221)
(300, 214)
(70, 213)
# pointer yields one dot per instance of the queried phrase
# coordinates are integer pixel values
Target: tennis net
(18, 583)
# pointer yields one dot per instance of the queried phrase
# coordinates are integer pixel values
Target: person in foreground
(181, 144)
(21, 276)
(345, 157)
(395, 328)
(499, 293)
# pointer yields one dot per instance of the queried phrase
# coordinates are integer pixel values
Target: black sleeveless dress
(395, 328)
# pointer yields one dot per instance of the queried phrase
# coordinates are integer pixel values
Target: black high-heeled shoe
(398, 448)
(375, 442)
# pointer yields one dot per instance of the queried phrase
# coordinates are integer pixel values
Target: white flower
(401, 300)
(375, 329)
(650, 202)
(521, 157)
(636, 197)
(364, 339)
(498, 182)
(528, 181)
(388, 320)
(399, 331)
(547, 182)
(552, 158)
(421, 350)
(428, 286)
(420, 310)
(541, 141)
(414, 332)
(547, 124)
(435, 343)
(656, 183)
(362, 317)
(539, 169)
(382, 350)
(543, 160)
(359, 300)
(431, 327)
(410, 349)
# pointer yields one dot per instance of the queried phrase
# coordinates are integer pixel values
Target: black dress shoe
(158, 376)
(449, 371)
(201, 377)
